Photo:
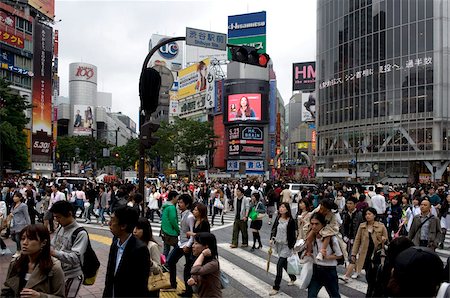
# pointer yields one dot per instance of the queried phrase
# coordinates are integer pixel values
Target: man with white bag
(324, 271)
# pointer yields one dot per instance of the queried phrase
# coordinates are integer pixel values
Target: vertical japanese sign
(42, 93)
(210, 88)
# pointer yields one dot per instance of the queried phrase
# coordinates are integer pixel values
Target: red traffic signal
(249, 55)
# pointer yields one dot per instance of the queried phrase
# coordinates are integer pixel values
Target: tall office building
(383, 89)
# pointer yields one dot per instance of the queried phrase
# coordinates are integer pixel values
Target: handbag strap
(421, 224)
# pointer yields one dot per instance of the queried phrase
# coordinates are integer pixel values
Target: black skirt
(256, 224)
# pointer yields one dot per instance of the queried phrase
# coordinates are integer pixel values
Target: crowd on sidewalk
(390, 235)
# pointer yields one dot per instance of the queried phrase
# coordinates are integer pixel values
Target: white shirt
(379, 203)
(55, 197)
(317, 246)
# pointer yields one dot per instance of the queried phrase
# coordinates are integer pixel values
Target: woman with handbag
(369, 243)
(284, 237)
(218, 205)
(143, 231)
(256, 223)
(324, 271)
(18, 219)
(205, 272)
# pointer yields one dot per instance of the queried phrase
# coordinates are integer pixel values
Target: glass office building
(383, 89)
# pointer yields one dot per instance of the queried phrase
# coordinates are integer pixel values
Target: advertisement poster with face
(244, 107)
(83, 119)
(309, 107)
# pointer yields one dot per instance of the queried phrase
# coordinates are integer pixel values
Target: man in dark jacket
(351, 219)
(129, 258)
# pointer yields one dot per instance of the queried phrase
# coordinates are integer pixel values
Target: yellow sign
(302, 145)
(192, 79)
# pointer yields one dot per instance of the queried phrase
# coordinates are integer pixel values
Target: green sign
(258, 42)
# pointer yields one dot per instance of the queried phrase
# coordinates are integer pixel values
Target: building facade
(383, 84)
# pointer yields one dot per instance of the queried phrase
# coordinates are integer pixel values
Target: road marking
(262, 264)
(250, 282)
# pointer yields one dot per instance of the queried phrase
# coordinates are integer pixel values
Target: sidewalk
(101, 245)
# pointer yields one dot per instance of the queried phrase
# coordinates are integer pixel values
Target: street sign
(206, 39)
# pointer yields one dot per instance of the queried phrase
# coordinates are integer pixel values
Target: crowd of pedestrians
(374, 229)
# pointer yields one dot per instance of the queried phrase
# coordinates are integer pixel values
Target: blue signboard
(272, 106)
(250, 24)
(6, 57)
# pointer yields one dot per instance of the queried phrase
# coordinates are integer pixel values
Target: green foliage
(186, 138)
(12, 127)
(88, 148)
(127, 155)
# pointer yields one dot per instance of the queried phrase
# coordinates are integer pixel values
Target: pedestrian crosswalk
(228, 219)
(250, 269)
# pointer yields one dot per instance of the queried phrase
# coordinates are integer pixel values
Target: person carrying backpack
(69, 253)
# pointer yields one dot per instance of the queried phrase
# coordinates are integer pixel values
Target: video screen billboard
(244, 107)
(308, 107)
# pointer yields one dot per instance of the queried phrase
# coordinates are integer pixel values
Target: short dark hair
(241, 189)
(137, 197)
(187, 200)
(352, 199)
(127, 216)
(371, 210)
(172, 195)
(62, 207)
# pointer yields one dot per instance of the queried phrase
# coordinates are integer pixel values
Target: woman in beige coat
(370, 237)
(143, 231)
(34, 273)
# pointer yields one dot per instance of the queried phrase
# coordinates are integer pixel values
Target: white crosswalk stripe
(228, 219)
(261, 263)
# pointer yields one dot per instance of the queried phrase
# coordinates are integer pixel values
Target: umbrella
(269, 252)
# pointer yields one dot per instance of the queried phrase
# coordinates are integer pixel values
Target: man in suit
(129, 259)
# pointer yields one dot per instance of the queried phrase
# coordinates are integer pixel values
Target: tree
(12, 125)
(90, 150)
(191, 139)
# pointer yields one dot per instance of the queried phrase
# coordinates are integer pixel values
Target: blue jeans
(282, 264)
(174, 256)
(101, 213)
(324, 276)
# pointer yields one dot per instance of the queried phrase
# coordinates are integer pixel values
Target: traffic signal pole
(143, 117)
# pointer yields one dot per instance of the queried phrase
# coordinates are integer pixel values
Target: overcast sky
(114, 36)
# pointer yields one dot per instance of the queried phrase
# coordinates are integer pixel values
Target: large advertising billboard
(46, 7)
(42, 93)
(219, 143)
(83, 120)
(304, 76)
(248, 29)
(308, 107)
(193, 79)
(169, 55)
(244, 107)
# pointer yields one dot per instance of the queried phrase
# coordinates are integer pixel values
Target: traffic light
(147, 129)
(249, 55)
(149, 85)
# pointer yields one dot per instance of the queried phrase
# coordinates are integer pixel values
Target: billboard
(308, 107)
(248, 29)
(304, 76)
(249, 24)
(218, 105)
(46, 7)
(249, 134)
(83, 72)
(42, 93)
(254, 166)
(83, 120)
(273, 104)
(169, 55)
(219, 153)
(244, 107)
(193, 79)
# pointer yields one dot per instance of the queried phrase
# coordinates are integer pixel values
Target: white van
(72, 180)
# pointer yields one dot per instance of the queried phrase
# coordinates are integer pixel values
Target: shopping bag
(253, 214)
(293, 264)
(299, 245)
(218, 204)
(306, 273)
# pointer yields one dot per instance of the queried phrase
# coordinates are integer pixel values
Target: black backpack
(91, 263)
